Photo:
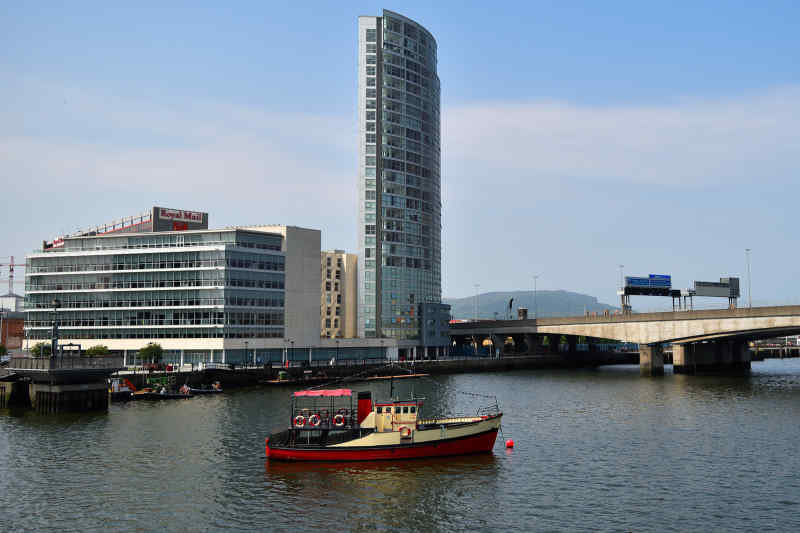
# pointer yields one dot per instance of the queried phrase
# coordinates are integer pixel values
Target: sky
(576, 136)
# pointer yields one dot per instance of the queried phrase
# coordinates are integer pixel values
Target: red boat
(325, 426)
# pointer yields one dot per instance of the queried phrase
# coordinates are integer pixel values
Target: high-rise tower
(399, 194)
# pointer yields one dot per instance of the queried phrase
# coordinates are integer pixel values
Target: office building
(399, 194)
(239, 295)
(204, 295)
(339, 294)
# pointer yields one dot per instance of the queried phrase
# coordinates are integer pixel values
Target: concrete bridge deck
(701, 340)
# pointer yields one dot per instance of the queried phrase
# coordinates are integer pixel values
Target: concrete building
(12, 302)
(338, 305)
(236, 295)
(301, 249)
(399, 193)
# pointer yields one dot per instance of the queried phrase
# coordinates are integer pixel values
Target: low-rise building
(239, 295)
(339, 295)
(12, 324)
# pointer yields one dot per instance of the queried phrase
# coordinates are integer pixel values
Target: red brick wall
(12, 333)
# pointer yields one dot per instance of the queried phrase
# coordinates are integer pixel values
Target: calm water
(596, 450)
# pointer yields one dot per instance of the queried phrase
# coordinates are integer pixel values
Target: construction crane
(11, 266)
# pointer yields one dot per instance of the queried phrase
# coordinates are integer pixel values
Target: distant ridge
(549, 303)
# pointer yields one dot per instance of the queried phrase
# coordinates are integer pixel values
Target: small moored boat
(163, 394)
(215, 388)
(326, 426)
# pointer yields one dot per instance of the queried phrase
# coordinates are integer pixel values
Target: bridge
(701, 341)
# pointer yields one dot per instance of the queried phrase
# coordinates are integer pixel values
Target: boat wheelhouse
(326, 425)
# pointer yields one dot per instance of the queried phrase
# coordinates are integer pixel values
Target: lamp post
(291, 357)
(245, 353)
(56, 303)
(749, 287)
(337, 351)
(535, 302)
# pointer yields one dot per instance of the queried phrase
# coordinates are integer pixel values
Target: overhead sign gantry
(661, 285)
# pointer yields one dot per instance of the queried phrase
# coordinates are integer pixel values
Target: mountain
(548, 303)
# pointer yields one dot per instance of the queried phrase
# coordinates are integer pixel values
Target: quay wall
(253, 376)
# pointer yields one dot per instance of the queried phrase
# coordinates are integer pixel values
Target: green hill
(549, 303)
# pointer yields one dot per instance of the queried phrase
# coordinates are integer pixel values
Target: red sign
(177, 214)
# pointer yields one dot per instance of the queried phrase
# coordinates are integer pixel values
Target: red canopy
(329, 392)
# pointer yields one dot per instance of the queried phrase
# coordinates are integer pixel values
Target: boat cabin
(392, 416)
(334, 410)
(314, 410)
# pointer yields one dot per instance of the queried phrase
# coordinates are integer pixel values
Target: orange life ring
(405, 432)
(315, 420)
(299, 421)
(338, 420)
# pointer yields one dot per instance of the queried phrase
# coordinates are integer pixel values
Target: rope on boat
(394, 366)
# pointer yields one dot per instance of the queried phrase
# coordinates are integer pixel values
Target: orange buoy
(510, 443)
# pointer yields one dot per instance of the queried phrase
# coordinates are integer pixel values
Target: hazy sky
(575, 136)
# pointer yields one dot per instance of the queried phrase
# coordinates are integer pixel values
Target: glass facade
(205, 284)
(399, 176)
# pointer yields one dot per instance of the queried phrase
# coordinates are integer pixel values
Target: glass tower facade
(399, 176)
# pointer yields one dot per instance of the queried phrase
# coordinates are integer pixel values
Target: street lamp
(749, 287)
(621, 278)
(292, 353)
(337, 351)
(245, 352)
(56, 303)
(535, 303)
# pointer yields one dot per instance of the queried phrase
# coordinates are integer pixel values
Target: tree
(97, 351)
(152, 351)
(3, 350)
(41, 349)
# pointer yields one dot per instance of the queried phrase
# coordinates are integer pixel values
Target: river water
(595, 450)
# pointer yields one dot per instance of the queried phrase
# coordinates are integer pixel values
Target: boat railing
(314, 439)
(489, 410)
(447, 420)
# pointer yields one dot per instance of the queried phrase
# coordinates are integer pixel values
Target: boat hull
(158, 396)
(476, 443)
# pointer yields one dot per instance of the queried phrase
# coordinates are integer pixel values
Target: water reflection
(591, 446)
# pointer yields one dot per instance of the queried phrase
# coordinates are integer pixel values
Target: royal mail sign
(179, 215)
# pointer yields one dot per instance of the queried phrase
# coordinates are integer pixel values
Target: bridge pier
(722, 355)
(531, 343)
(651, 360)
(553, 342)
(519, 340)
(572, 342)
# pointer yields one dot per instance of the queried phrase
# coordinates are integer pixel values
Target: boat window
(413, 409)
(405, 410)
(379, 410)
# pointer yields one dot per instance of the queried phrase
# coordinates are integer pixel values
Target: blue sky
(576, 136)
